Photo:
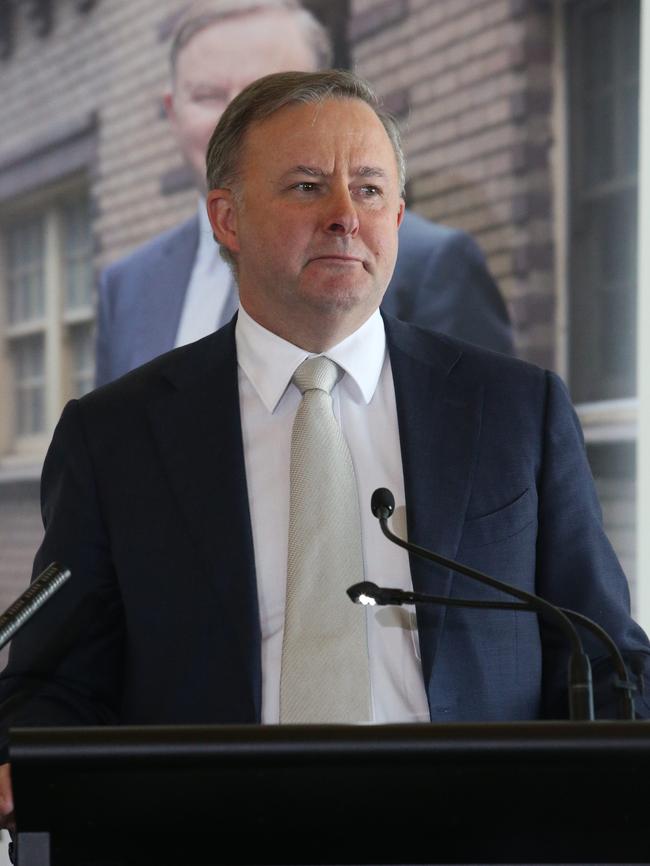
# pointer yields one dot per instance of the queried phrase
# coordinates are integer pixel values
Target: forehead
(266, 41)
(323, 133)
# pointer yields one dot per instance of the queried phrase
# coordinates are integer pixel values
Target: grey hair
(204, 13)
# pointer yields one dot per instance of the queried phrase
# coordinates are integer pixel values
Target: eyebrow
(207, 87)
(315, 171)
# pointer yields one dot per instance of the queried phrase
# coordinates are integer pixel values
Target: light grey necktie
(325, 676)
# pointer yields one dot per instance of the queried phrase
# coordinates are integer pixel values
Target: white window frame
(24, 454)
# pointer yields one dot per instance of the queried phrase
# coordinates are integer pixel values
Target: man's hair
(204, 13)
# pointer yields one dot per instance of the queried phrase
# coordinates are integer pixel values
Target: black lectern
(463, 793)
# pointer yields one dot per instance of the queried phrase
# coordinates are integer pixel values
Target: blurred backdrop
(521, 122)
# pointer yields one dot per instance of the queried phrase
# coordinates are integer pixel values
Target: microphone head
(382, 503)
(363, 593)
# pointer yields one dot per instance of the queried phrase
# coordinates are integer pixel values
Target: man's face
(314, 224)
(217, 63)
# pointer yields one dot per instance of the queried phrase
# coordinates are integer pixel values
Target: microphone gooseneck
(36, 594)
(369, 593)
(580, 685)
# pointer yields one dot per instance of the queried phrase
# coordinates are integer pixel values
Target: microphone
(581, 701)
(369, 593)
(36, 594)
(382, 503)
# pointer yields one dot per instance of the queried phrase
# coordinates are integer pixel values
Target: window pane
(603, 300)
(628, 35)
(603, 128)
(630, 128)
(25, 277)
(29, 384)
(78, 255)
(599, 155)
(81, 359)
(597, 45)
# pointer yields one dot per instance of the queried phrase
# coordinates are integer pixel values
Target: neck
(315, 337)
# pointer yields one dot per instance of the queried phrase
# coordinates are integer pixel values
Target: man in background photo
(177, 288)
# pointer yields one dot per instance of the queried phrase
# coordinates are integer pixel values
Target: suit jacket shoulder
(153, 251)
(140, 301)
(441, 282)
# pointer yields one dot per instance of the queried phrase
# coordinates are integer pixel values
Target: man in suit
(170, 493)
(176, 289)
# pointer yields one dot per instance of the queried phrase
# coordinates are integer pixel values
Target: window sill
(13, 469)
(609, 420)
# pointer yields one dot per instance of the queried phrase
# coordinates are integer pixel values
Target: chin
(336, 294)
(339, 300)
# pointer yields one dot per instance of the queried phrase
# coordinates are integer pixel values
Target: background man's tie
(325, 675)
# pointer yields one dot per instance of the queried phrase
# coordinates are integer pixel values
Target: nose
(341, 216)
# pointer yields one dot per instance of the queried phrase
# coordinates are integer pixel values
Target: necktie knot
(319, 373)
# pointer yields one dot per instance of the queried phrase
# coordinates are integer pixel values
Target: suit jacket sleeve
(577, 568)
(65, 665)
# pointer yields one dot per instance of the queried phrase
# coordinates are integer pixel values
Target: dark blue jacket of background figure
(145, 500)
(440, 282)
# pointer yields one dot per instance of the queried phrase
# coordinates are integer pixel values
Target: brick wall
(471, 80)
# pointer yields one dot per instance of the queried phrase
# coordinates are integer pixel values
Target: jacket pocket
(501, 524)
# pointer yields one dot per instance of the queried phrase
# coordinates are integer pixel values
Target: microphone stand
(369, 593)
(581, 702)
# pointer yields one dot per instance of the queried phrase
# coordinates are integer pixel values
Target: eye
(370, 191)
(306, 186)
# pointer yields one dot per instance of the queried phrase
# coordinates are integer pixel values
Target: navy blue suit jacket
(144, 498)
(440, 282)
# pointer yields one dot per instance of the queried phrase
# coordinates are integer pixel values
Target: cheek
(288, 236)
(383, 237)
(198, 128)
(279, 236)
(201, 138)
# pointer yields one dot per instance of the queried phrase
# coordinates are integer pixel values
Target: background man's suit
(440, 282)
(145, 500)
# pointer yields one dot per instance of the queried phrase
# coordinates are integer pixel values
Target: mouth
(338, 259)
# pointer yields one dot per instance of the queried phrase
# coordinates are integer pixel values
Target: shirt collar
(269, 362)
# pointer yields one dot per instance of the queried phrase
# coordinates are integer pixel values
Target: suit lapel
(162, 294)
(439, 417)
(197, 428)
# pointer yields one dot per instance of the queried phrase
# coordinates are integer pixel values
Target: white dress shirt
(209, 289)
(364, 405)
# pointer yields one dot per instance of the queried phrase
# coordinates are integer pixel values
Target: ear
(222, 213)
(401, 212)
